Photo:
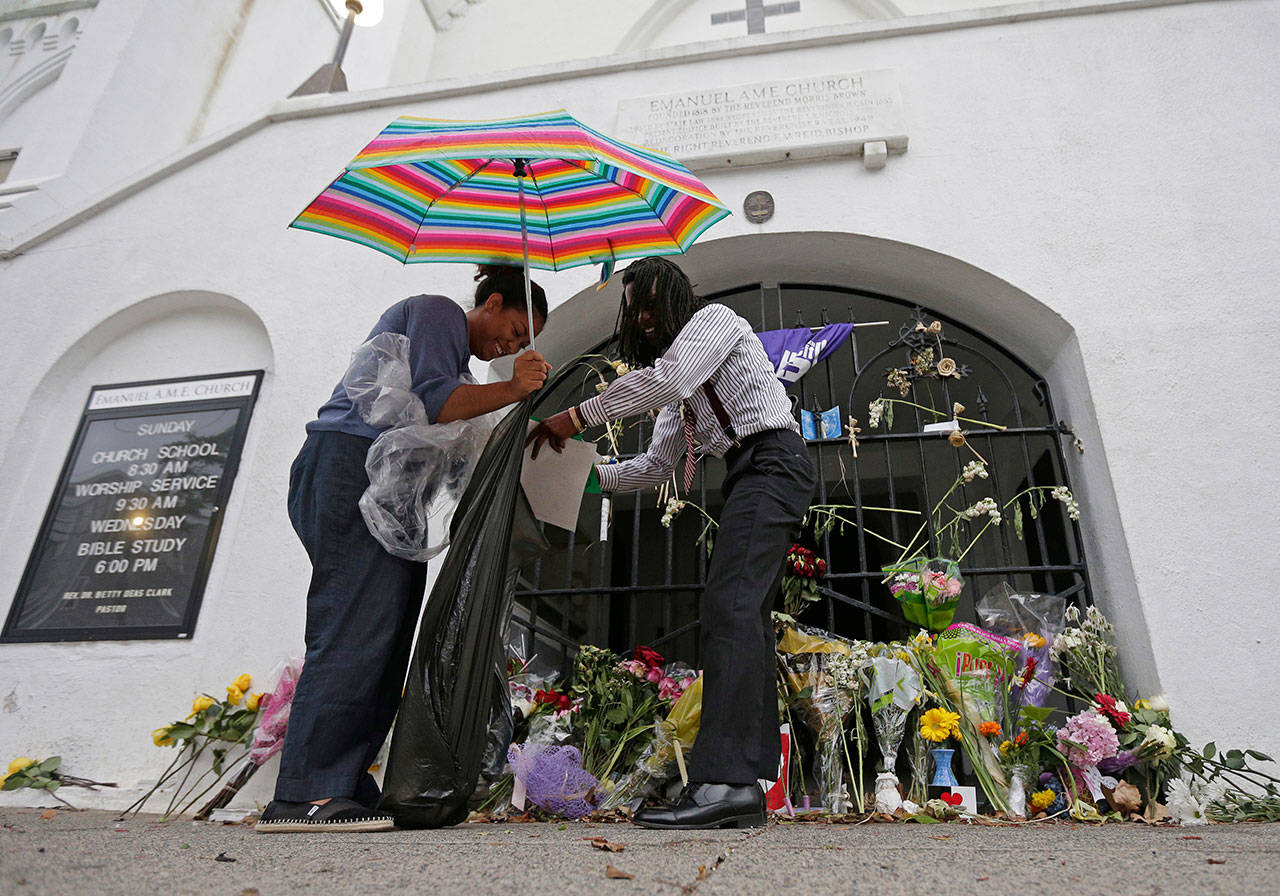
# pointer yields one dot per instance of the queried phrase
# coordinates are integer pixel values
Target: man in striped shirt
(705, 368)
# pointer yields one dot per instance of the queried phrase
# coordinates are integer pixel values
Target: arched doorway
(631, 580)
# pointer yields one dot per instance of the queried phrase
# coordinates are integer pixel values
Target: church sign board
(126, 545)
(749, 124)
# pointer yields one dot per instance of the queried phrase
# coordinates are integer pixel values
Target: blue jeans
(362, 608)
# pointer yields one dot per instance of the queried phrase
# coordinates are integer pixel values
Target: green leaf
(50, 764)
(1036, 713)
(14, 781)
(1209, 749)
(1017, 519)
(1261, 757)
(1235, 762)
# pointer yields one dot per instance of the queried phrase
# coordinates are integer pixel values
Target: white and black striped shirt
(715, 346)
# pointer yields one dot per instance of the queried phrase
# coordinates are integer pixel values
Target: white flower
(986, 506)
(1159, 703)
(1189, 799)
(1159, 740)
(874, 410)
(974, 469)
(674, 506)
(1063, 494)
(620, 367)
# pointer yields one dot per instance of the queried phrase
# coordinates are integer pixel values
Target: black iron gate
(623, 578)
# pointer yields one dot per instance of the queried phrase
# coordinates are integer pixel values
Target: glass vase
(1020, 777)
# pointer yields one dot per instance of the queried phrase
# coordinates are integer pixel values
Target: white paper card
(943, 427)
(554, 482)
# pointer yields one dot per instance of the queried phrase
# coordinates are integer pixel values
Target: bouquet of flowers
(801, 573)
(821, 672)
(893, 689)
(927, 589)
(616, 705)
(221, 727)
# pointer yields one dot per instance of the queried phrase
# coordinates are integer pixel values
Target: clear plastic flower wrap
(1034, 620)
(273, 712)
(893, 689)
(822, 674)
(417, 470)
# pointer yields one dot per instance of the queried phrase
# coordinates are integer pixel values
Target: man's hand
(553, 430)
(529, 373)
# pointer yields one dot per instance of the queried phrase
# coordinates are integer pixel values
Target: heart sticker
(952, 799)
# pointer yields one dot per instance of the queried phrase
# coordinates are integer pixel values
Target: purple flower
(1116, 765)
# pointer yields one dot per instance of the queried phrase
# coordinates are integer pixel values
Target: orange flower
(989, 729)
(1021, 739)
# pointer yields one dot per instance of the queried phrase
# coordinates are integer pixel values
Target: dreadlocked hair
(508, 282)
(665, 288)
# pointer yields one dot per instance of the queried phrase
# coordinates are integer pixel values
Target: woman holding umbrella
(363, 603)
(707, 370)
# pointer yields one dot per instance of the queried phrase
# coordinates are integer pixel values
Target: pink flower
(654, 675)
(1087, 738)
(668, 689)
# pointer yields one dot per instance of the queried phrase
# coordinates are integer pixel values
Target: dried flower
(974, 469)
(947, 367)
(1063, 494)
(956, 439)
(674, 506)
(874, 411)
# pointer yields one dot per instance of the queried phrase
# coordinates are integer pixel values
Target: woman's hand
(529, 373)
(553, 430)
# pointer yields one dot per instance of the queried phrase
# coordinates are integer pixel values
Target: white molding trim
(337, 104)
(38, 10)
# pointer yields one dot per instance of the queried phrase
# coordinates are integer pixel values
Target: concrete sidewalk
(87, 853)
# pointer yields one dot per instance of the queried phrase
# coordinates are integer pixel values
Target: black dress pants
(362, 609)
(768, 485)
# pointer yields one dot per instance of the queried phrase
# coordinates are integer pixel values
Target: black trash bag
(438, 743)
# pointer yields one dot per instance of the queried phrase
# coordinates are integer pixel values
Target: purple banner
(794, 352)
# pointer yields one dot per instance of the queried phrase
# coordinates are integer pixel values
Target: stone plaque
(126, 545)
(758, 206)
(748, 124)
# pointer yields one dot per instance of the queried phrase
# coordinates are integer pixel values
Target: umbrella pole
(524, 244)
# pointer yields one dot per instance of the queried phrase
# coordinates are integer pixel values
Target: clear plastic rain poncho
(417, 470)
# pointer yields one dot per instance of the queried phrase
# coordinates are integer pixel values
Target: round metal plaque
(758, 206)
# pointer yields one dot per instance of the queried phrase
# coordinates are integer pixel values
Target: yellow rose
(251, 703)
(234, 694)
(243, 682)
(20, 763)
(160, 737)
(200, 704)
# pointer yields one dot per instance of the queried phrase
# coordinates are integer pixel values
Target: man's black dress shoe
(708, 806)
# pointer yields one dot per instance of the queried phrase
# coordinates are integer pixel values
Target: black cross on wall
(755, 14)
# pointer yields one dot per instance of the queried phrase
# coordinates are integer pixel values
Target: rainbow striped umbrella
(545, 189)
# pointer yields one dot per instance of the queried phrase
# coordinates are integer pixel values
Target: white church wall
(1051, 155)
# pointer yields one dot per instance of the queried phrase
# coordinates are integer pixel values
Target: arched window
(628, 579)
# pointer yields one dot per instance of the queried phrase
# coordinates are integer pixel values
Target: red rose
(546, 697)
(647, 655)
(564, 702)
